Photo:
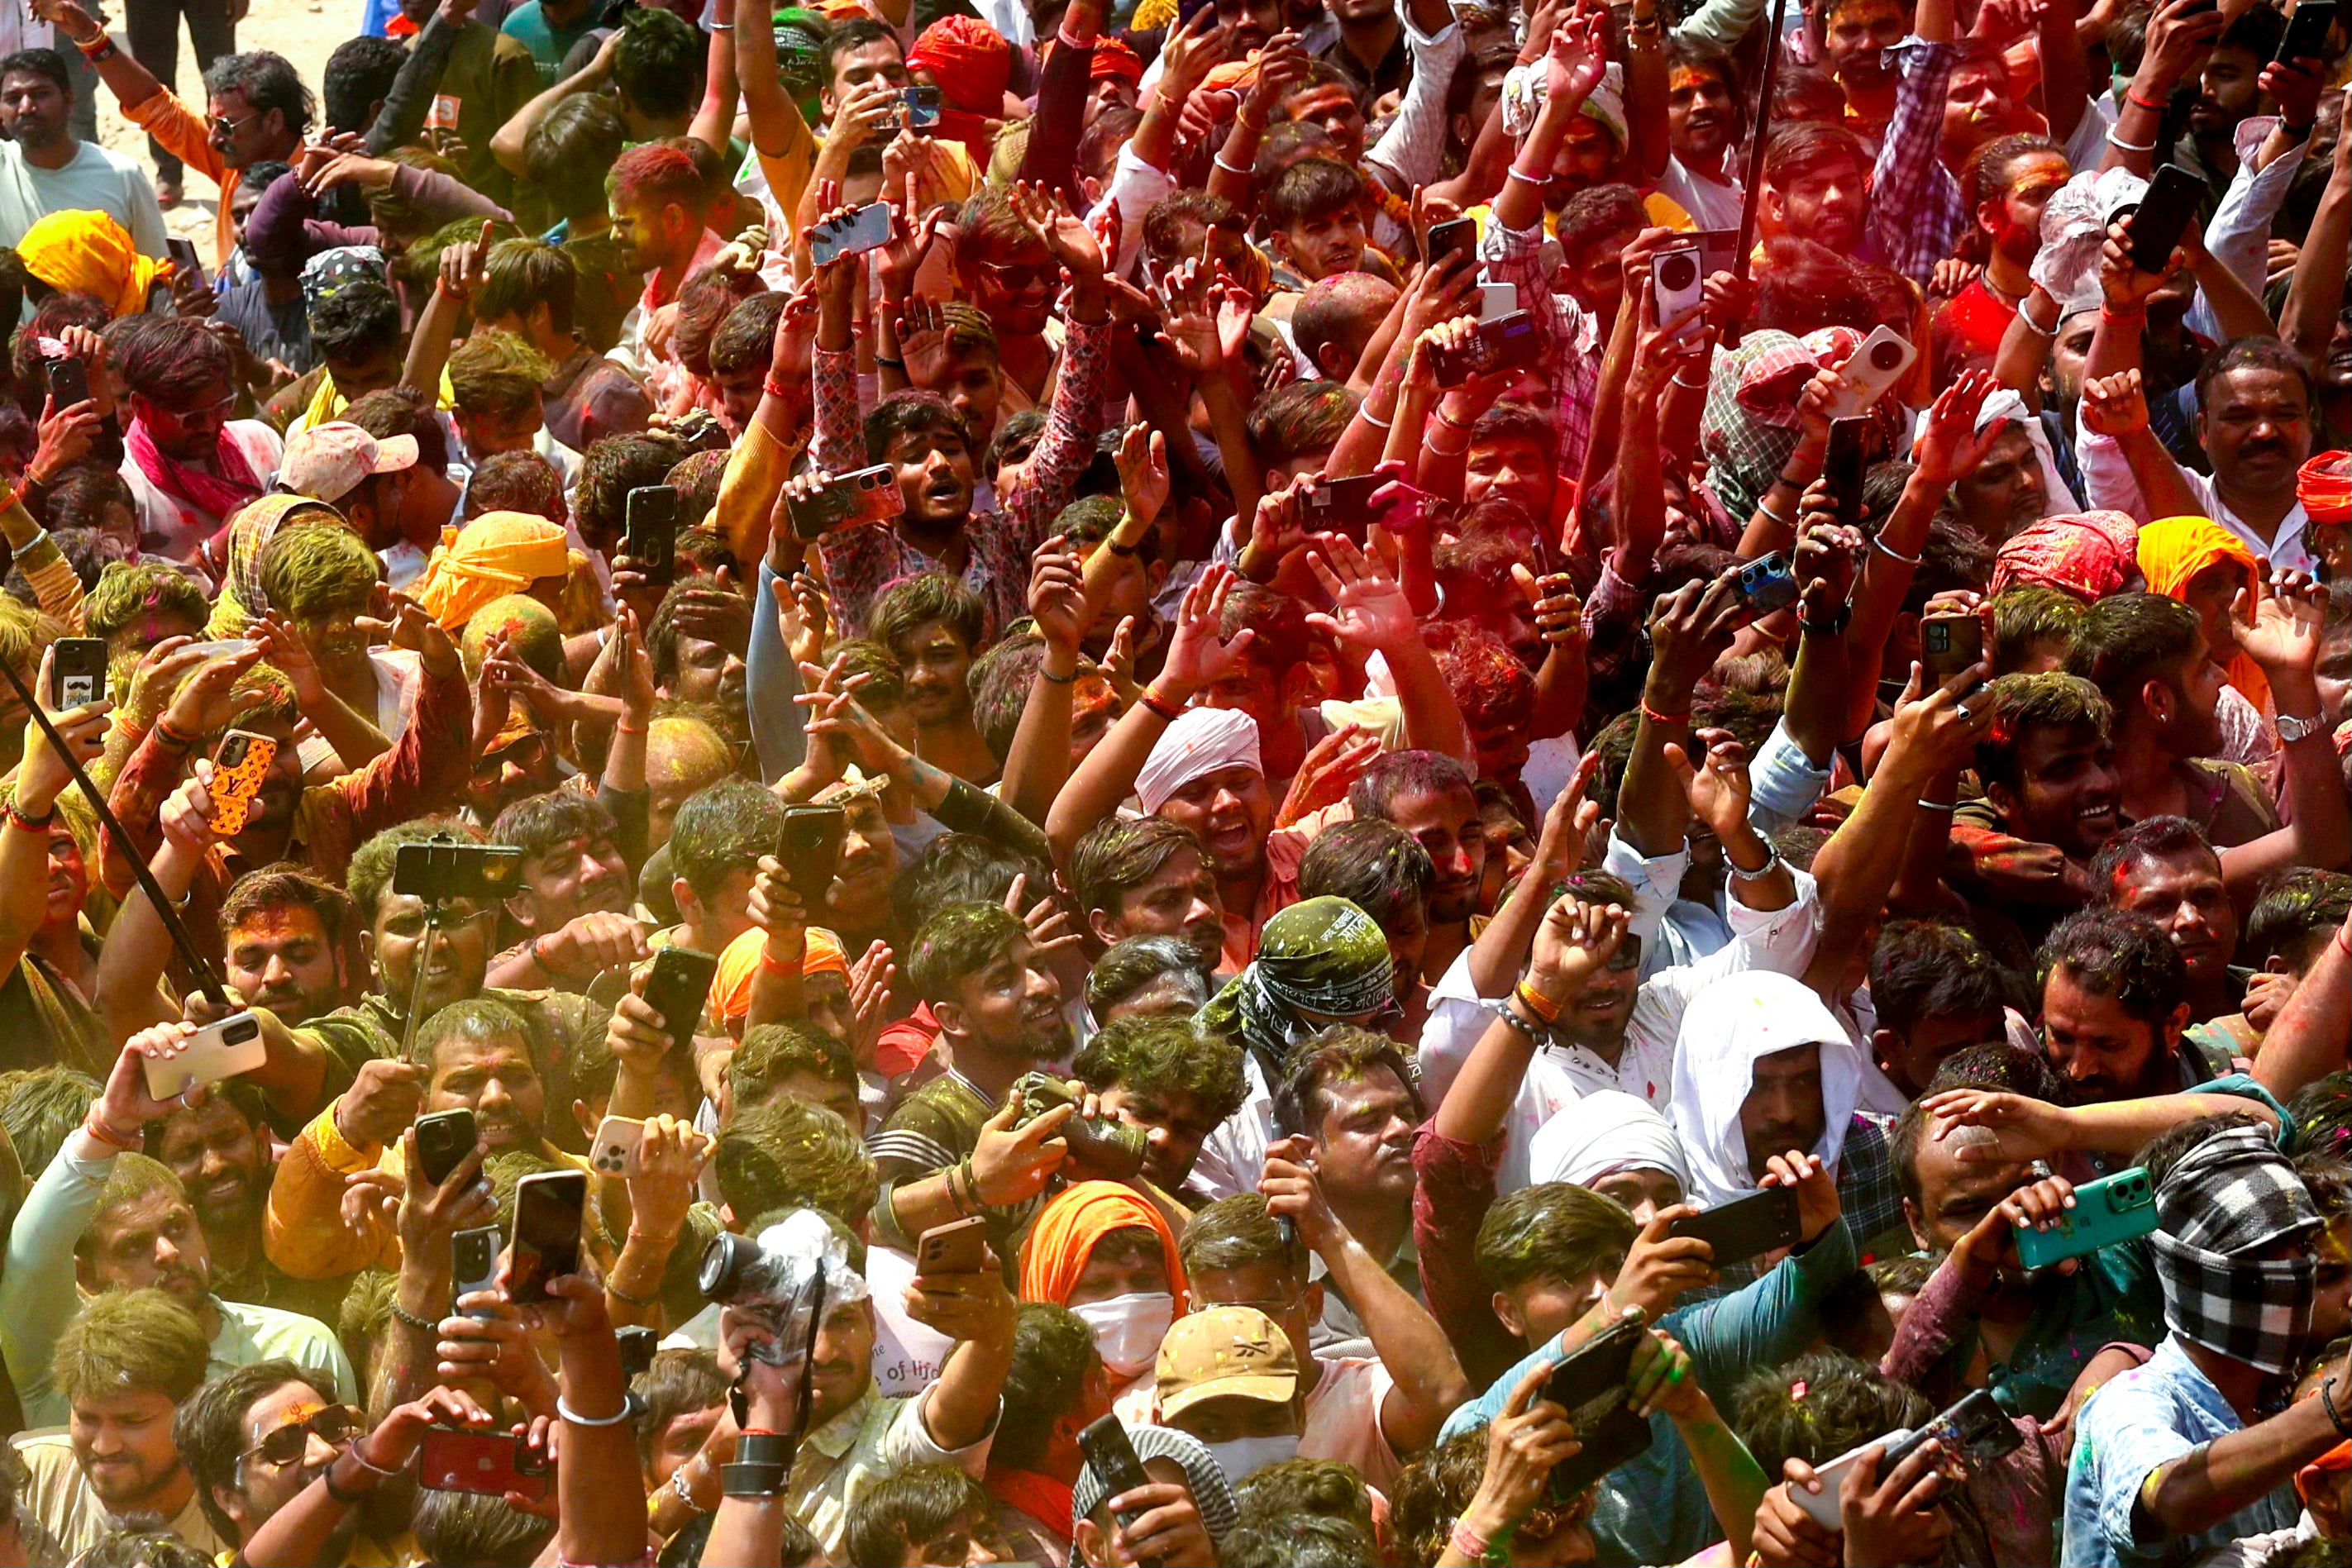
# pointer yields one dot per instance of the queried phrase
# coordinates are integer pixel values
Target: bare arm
(507, 143)
(714, 118)
(2308, 324)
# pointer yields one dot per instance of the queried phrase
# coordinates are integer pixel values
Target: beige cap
(1223, 1352)
(327, 461)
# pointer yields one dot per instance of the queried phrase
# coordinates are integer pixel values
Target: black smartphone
(678, 988)
(1949, 646)
(1974, 1431)
(1590, 1386)
(443, 1139)
(809, 849)
(2155, 226)
(183, 253)
(2306, 32)
(1107, 1447)
(1848, 456)
(650, 535)
(1744, 1227)
(473, 1264)
(68, 382)
(1455, 234)
(76, 672)
(546, 1244)
(636, 1344)
(1505, 343)
(1341, 506)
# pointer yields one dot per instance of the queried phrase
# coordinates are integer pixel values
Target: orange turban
(1073, 1225)
(496, 554)
(2324, 485)
(739, 966)
(1114, 59)
(2174, 550)
(971, 61)
(89, 253)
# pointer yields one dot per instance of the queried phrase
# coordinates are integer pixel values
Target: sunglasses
(1628, 954)
(338, 1424)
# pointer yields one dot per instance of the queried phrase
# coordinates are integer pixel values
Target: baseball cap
(327, 461)
(1223, 1352)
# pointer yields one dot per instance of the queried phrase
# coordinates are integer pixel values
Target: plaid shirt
(1915, 211)
(1571, 338)
(859, 562)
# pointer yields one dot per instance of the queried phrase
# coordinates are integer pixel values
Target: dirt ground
(304, 31)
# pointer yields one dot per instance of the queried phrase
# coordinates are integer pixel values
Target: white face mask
(1127, 1331)
(1242, 1458)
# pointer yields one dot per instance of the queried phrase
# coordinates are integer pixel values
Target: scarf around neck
(214, 495)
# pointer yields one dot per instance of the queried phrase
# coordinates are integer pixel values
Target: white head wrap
(1526, 87)
(1725, 1029)
(1202, 740)
(2075, 230)
(2059, 498)
(1606, 1132)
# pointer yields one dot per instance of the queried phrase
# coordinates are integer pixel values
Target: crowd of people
(1221, 782)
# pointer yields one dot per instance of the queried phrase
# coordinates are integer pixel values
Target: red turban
(1113, 58)
(2324, 485)
(2088, 554)
(971, 61)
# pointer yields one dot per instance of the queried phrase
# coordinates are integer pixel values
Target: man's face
(2257, 429)
(188, 428)
(2015, 220)
(843, 1362)
(1253, 21)
(974, 389)
(1175, 1124)
(33, 110)
(1855, 37)
(1700, 113)
(2183, 892)
(934, 472)
(1824, 203)
(1013, 1006)
(1231, 813)
(1325, 244)
(152, 1239)
(1178, 900)
(265, 1485)
(283, 960)
(576, 877)
(241, 133)
(2070, 353)
(372, 369)
(2067, 794)
(1589, 156)
(1169, 996)
(1014, 284)
(2227, 91)
(738, 394)
(877, 61)
(221, 1161)
(1333, 106)
(1782, 1113)
(1641, 1190)
(1445, 822)
(860, 895)
(826, 1094)
(496, 1080)
(525, 766)
(1364, 1147)
(123, 1444)
(333, 634)
(937, 662)
(69, 883)
(1598, 1013)
(461, 951)
(646, 233)
(2194, 727)
(494, 431)
(1976, 106)
(678, 1440)
(1514, 467)
(1252, 686)
(1910, 1059)
(708, 673)
(2005, 493)
(1272, 1287)
(1954, 1196)
(2092, 1043)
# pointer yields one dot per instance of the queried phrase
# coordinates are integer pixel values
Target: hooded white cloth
(2007, 404)
(1606, 1132)
(1727, 1028)
(1202, 740)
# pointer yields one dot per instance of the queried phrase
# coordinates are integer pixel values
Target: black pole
(1754, 191)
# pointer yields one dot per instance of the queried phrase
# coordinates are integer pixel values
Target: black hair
(267, 81)
(360, 317)
(2115, 952)
(357, 76)
(42, 63)
(1921, 969)
(657, 64)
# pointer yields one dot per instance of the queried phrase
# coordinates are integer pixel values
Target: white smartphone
(226, 648)
(1497, 300)
(215, 1052)
(1878, 365)
(616, 1138)
(1823, 1506)
(1680, 282)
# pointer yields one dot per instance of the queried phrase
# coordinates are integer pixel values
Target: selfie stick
(1755, 190)
(209, 982)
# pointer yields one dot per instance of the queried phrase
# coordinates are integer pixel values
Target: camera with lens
(441, 869)
(1101, 1148)
(1886, 358)
(1678, 270)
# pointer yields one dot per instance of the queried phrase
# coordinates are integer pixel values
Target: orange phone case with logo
(237, 771)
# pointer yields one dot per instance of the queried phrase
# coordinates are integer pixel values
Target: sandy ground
(304, 31)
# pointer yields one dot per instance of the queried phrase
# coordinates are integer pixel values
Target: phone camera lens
(1679, 272)
(1886, 356)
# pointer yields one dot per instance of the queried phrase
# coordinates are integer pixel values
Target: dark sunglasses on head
(338, 1424)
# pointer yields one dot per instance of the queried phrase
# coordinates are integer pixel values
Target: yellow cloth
(2173, 550)
(89, 253)
(738, 966)
(327, 402)
(496, 554)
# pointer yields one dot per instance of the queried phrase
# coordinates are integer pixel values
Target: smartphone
(1717, 249)
(1677, 281)
(548, 1207)
(1111, 1452)
(474, 1265)
(650, 535)
(922, 111)
(1949, 646)
(1496, 300)
(677, 988)
(809, 850)
(1505, 343)
(183, 253)
(2109, 1210)
(68, 382)
(224, 648)
(1822, 1507)
(1397, 506)
(1590, 1386)
(1974, 1431)
(1342, 506)
(219, 1051)
(2306, 32)
(443, 115)
(958, 1248)
(1870, 370)
(1746, 1227)
(1454, 233)
(77, 670)
(1768, 584)
(239, 767)
(2155, 226)
(862, 496)
(1843, 465)
(443, 1141)
(454, 1458)
(865, 229)
(636, 1344)
(616, 1136)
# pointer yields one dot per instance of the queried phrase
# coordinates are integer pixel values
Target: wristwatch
(2291, 729)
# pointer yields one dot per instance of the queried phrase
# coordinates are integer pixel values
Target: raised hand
(1558, 612)
(1142, 460)
(2125, 286)
(910, 241)
(1578, 58)
(2113, 405)
(1058, 597)
(1950, 446)
(922, 328)
(1525, 1444)
(1331, 765)
(66, 436)
(381, 1102)
(465, 265)
(1063, 233)
(2280, 626)
(1718, 790)
(1576, 941)
(1198, 651)
(1369, 608)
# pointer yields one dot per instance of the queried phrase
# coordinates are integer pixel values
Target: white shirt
(96, 180)
(1712, 204)
(2108, 478)
(1233, 1158)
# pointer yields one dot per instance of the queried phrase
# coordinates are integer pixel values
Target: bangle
(2120, 145)
(2036, 327)
(722, 27)
(1229, 168)
(1451, 422)
(169, 738)
(1925, 804)
(422, 1325)
(39, 825)
(618, 1294)
(1435, 450)
(127, 726)
(775, 966)
(539, 958)
(1764, 505)
(1151, 698)
(2133, 98)
(1058, 680)
(1468, 1541)
(348, 1499)
(103, 49)
(1125, 553)
(1365, 412)
(1508, 1012)
(1834, 626)
(772, 389)
(95, 1125)
(1771, 863)
(372, 1469)
(2297, 131)
(625, 728)
(2327, 1398)
(1878, 543)
(1543, 1008)
(1654, 717)
(628, 1409)
(893, 364)
(1530, 179)
(1693, 386)
(2124, 317)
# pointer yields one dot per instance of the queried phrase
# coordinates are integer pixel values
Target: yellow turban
(496, 554)
(89, 253)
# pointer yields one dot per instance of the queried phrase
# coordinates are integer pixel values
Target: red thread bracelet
(1159, 704)
(1654, 717)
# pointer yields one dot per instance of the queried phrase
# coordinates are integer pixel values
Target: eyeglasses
(1628, 954)
(338, 1424)
(1024, 274)
(220, 127)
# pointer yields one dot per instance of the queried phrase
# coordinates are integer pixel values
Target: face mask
(1242, 1458)
(1127, 1331)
